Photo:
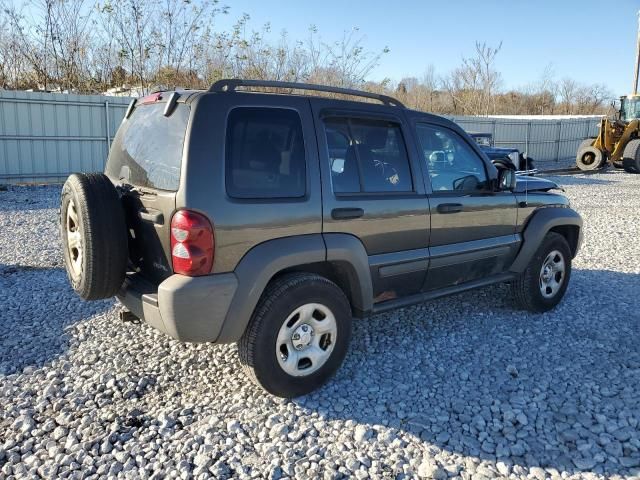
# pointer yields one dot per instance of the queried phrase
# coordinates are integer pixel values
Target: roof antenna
(526, 191)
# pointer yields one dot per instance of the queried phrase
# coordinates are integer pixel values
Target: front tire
(544, 282)
(298, 335)
(631, 156)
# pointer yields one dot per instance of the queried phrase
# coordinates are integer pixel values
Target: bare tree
(132, 22)
(567, 91)
(346, 61)
(76, 45)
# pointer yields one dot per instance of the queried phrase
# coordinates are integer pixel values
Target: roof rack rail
(230, 85)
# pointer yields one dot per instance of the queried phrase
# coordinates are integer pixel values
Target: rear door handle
(346, 213)
(153, 216)
(449, 208)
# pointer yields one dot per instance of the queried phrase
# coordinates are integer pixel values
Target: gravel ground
(463, 387)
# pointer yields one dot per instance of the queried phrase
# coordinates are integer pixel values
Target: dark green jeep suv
(271, 219)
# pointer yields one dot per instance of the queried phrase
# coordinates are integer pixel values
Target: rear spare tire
(94, 235)
(631, 156)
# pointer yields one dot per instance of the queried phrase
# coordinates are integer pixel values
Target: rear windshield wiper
(128, 188)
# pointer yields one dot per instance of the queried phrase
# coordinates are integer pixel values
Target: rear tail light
(154, 97)
(192, 243)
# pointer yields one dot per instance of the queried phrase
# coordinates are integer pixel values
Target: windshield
(630, 108)
(484, 141)
(147, 150)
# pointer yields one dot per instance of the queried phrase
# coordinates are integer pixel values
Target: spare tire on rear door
(94, 235)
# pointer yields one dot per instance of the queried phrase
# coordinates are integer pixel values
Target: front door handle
(449, 208)
(346, 213)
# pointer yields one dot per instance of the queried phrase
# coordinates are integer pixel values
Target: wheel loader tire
(589, 158)
(94, 235)
(587, 142)
(631, 156)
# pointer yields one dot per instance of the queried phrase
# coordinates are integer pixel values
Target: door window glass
(367, 156)
(451, 162)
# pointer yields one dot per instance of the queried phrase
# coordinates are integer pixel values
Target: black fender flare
(540, 223)
(348, 252)
(260, 264)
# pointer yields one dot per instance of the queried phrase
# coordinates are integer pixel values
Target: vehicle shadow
(38, 305)
(556, 390)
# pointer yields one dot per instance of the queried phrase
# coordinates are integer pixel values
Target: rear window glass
(147, 149)
(265, 153)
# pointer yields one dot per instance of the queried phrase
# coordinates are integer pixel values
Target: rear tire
(588, 157)
(94, 235)
(298, 335)
(631, 156)
(544, 282)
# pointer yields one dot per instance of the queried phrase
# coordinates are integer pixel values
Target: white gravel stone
(362, 433)
(428, 469)
(465, 386)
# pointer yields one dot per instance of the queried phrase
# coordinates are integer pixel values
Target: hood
(530, 184)
(496, 152)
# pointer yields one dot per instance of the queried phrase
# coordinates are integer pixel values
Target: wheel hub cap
(74, 239)
(302, 336)
(552, 274)
(306, 339)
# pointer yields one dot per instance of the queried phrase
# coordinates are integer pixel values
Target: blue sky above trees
(588, 40)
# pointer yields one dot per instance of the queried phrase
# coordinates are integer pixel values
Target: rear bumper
(189, 309)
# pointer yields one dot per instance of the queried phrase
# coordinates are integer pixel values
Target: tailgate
(149, 222)
(145, 161)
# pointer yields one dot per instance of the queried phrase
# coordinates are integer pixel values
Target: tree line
(85, 47)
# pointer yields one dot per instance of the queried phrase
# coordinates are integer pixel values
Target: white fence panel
(551, 142)
(46, 136)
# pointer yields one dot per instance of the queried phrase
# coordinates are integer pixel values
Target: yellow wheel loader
(618, 140)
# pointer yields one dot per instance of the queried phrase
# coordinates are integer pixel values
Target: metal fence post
(587, 124)
(558, 141)
(107, 126)
(526, 141)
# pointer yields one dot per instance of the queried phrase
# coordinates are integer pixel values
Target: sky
(590, 41)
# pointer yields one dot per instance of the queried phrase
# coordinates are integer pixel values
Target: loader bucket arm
(630, 131)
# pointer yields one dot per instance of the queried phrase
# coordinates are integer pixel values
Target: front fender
(540, 223)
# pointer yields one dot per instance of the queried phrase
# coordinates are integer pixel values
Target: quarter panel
(257, 268)
(241, 224)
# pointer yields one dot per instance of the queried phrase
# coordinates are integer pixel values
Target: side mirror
(506, 179)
